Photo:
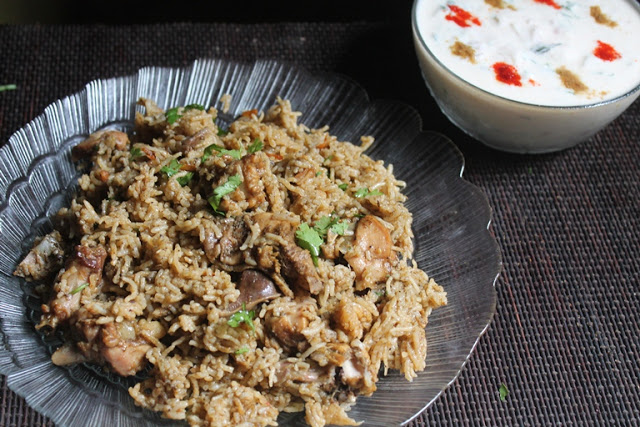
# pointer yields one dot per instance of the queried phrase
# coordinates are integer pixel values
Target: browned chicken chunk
(203, 137)
(288, 324)
(293, 262)
(226, 248)
(85, 262)
(46, 257)
(352, 319)
(372, 255)
(125, 354)
(113, 138)
(254, 166)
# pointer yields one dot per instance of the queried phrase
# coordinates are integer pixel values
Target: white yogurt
(542, 43)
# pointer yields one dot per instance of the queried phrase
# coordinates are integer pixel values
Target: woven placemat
(564, 340)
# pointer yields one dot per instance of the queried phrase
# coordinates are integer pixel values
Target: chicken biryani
(245, 270)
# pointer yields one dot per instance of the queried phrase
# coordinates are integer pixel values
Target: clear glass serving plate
(451, 221)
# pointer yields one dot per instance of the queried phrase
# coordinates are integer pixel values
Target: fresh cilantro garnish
(308, 238)
(318, 173)
(343, 186)
(242, 316)
(172, 168)
(222, 132)
(256, 145)
(235, 154)
(228, 187)
(194, 107)
(79, 288)
(184, 179)
(207, 152)
(330, 223)
(327, 160)
(172, 115)
(380, 293)
(135, 152)
(311, 238)
(339, 228)
(504, 392)
(8, 87)
(364, 192)
(241, 350)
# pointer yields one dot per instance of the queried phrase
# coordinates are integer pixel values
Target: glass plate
(451, 220)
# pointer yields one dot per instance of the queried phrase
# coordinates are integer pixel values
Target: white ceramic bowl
(510, 125)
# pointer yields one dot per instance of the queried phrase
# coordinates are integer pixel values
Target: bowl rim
(417, 35)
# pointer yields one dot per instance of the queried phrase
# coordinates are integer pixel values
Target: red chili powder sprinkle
(606, 52)
(462, 17)
(549, 3)
(506, 73)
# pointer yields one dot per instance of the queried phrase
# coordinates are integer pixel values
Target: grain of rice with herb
(262, 268)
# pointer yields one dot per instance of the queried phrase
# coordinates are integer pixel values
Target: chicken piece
(280, 224)
(150, 107)
(203, 137)
(372, 256)
(352, 373)
(298, 267)
(67, 355)
(254, 167)
(286, 371)
(351, 362)
(289, 321)
(226, 248)
(45, 257)
(254, 288)
(352, 319)
(151, 124)
(86, 262)
(293, 262)
(112, 138)
(122, 350)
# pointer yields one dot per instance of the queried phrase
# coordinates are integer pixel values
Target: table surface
(564, 339)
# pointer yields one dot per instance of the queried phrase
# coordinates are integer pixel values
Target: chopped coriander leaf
(172, 115)
(343, 186)
(504, 392)
(323, 224)
(135, 153)
(309, 239)
(8, 87)
(380, 293)
(207, 152)
(327, 160)
(79, 288)
(235, 154)
(241, 350)
(318, 173)
(185, 179)
(194, 107)
(330, 223)
(256, 145)
(222, 132)
(172, 168)
(228, 187)
(339, 227)
(242, 316)
(364, 192)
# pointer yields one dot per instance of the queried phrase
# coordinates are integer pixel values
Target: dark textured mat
(565, 336)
